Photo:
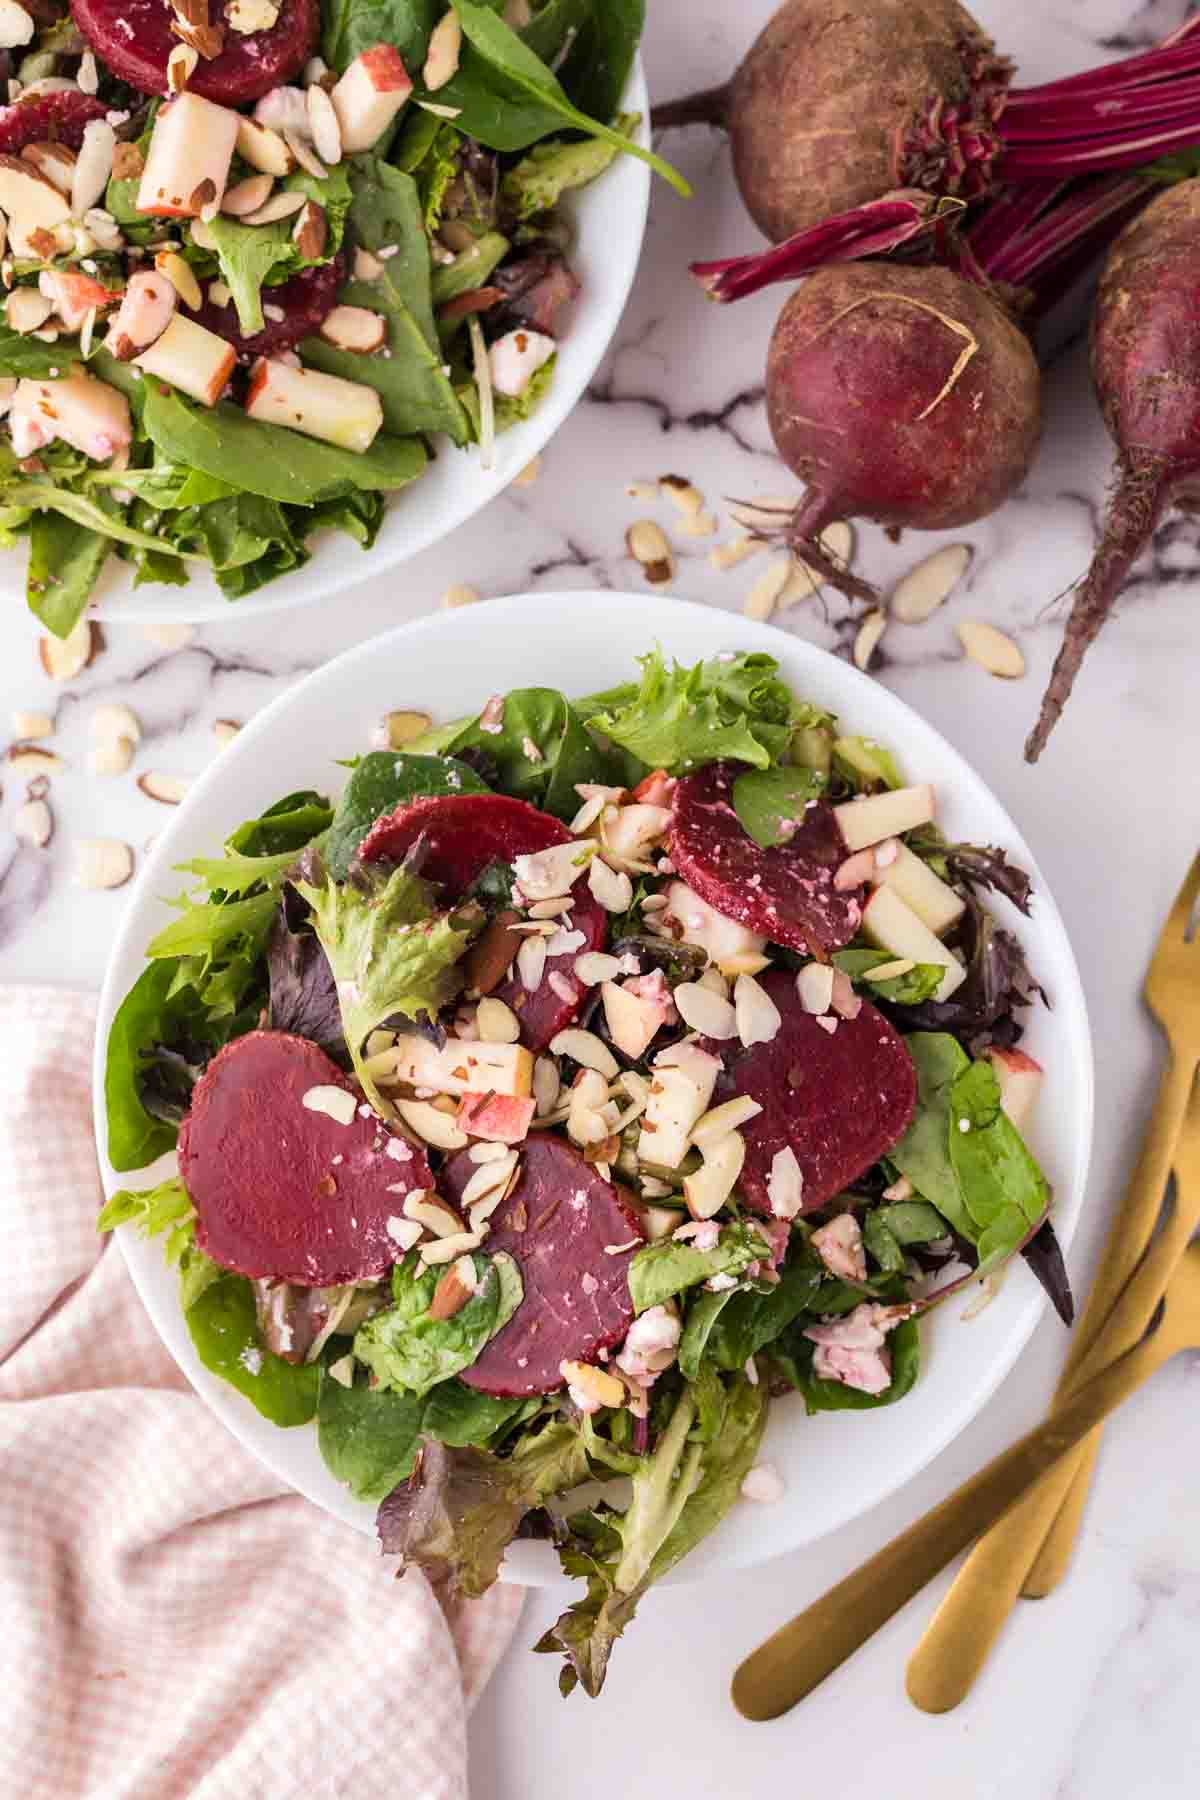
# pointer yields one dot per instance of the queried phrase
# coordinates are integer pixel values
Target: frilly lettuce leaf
(410, 1352)
(677, 719)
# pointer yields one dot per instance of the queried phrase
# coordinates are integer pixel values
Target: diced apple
(28, 201)
(500, 1118)
(369, 95)
(1020, 1081)
(879, 816)
(935, 903)
(463, 1067)
(191, 358)
(263, 148)
(345, 413)
(634, 829)
(708, 929)
(147, 308)
(891, 925)
(187, 164)
(634, 1016)
(680, 1093)
(74, 296)
(85, 413)
(707, 1190)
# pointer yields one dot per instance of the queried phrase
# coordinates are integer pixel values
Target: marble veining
(1091, 1695)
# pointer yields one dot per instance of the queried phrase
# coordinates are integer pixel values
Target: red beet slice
(840, 1098)
(305, 300)
(134, 38)
(557, 1000)
(47, 119)
(556, 1224)
(285, 1191)
(786, 892)
(463, 834)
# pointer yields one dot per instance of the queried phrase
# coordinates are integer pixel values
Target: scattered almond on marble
(108, 723)
(727, 556)
(33, 760)
(992, 649)
(918, 594)
(30, 725)
(225, 730)
(763, 597)
(867, 638)
(647, 544)
(112, 757)
(33, 823)
(168, 790)
(102, 863)
(642, 490)
(460, 595)
(169, 637)
(65, 658)
(529, 474)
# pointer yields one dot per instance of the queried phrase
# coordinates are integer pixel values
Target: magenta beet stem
(870, 230)
(1063, 228)
(1178, 52)
(1083, 158)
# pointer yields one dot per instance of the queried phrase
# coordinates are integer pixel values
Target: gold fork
(960, 1635)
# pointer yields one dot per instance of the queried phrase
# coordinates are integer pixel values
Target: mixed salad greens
(260, 255)
(588, 1078)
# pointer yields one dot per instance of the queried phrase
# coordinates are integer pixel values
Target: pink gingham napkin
(173, 1622)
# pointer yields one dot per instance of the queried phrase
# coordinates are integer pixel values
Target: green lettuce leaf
(410, 1352)
(677, 719)
(382, 780)
(351, 26)
(152, 1209)
(224, 1331)
(659, 1271)
(754, 1317)
(548, 171)
(367, 1436)
(1004, 1191)
(889, 1230)
(565, 751)
(921, 982)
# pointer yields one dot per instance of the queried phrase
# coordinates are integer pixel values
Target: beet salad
(590, 1077)
(260, 256)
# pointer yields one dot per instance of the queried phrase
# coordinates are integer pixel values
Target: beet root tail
(802, 535)
(708, 107)
(1141, 496)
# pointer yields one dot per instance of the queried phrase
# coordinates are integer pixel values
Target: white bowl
(836, 1465)
(609, 220)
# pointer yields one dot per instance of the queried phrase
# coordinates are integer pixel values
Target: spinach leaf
(755, 1318)
(677, 718)
(923, 1153)
(507, 98)
(367, 1436)
(566, 752)
(794, 1358)
(702, 1316)
(21, 354)
(145, 1017)
(864, 765)
(888, 1230)
(410, 1352)
(920, 983)
(600, 59)
(267, 459)
(151, 1210)
(382, 780)
(65, 560)
(303, 992)
(659, 1271)
(459, 1415)
(224, 1330)
(351, 26)
(1004, 1192)
(770, 803)
(289, 824)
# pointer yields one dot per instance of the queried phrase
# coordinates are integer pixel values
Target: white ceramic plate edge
(635, 620)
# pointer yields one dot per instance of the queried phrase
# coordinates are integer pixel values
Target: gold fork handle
(959, 1637)
(803, 1652)
(1141, 1211)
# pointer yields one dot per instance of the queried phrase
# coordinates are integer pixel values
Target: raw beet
(901, 395)
(786, 892)
(305, 300)
(47, 119)
(134, 38)
(556, 1224)
(544, 1013)
(840, 1098)
(1146, 370)
(463, 833)
(283, 1191)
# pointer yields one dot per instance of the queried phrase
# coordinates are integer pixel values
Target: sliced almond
(29, 725)
(546, 1085)
(336, 1103)
(401, 728)
(170, 264)
(54, 161)
(279, 206)
(225, 730)
(323, 123)
(263, 148)
(33, 823)
(704, 1011)
(447, 1249)
(430, 1210)
(305, 154)
(354, 328)
(169, 637)
(867, 638)
(26, 310)
(455, 1288)
(919, 593)
(32, 760)
(65, 658)
(93, 166)
(431, 1125)
(489, 1175)
(528, 475)
(497, 1023)
(112, 757)
(168, 790)
(311, 230)
(720, 1120)
(680, 491)
(27, 197)
(181, 66)
(366, 266)
(991, 649)
(445, 48)
(597, 1386)
(247, 196)
(727, 556)
(588, 1050)
(460, 595)
(108, 723)
(647, 544)
(763, 597)
(102, 863)
(758, 1019)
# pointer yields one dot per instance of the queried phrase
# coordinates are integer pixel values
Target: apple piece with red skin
(187, 163)
(348, 414)
(497, 1118)
(191, 358)
(369, 95)
(1020, 1079)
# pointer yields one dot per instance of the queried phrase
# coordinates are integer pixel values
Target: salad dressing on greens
(588, 1080)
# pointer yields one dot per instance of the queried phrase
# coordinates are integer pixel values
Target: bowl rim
(119, 602)
(638, 618)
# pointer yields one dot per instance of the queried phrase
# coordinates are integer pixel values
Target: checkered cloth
(172, 1621)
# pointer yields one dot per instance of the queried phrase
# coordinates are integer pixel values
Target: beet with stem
(1146, 369)
(903, 395)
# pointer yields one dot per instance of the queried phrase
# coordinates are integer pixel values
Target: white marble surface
(1091, 1695)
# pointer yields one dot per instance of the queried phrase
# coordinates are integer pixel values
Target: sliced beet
(840, 1098)
(558, 998)
(786, 892)
(281, 1189)
(305, 300)
(463, 833)
(135, 39)
(48, 119)
(557, 1224)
